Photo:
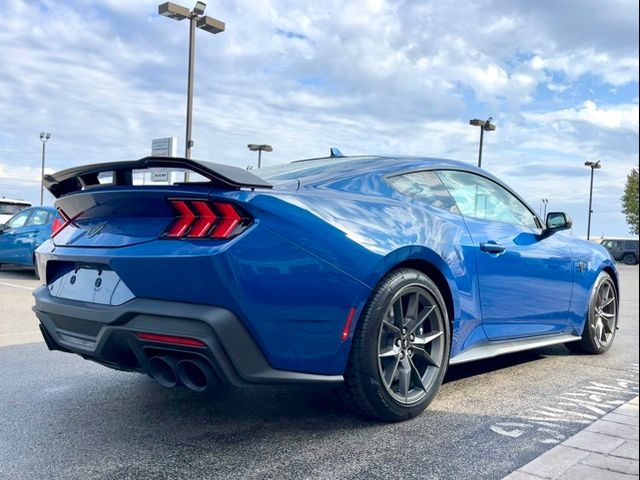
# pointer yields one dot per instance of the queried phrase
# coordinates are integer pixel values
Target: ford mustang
(372, 273)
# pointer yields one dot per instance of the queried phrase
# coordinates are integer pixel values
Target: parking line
(15, 286)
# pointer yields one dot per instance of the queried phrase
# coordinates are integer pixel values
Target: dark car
(24, 232)
(371, 272)
(622, 249)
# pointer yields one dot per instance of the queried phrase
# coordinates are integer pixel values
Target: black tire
(629, 259)
(365, 391)
(598, 339)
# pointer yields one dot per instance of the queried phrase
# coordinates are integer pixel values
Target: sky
(559, 78)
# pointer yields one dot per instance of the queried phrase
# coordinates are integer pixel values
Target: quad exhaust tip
(195, 374)
(163, 369)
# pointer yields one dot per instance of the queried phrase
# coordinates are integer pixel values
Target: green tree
(630, 201)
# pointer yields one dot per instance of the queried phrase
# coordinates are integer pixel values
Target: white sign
(164, 147)
(159, 175)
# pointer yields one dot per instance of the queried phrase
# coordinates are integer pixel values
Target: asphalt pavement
(62, 417)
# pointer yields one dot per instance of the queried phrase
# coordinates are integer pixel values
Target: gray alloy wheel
(411, 344)
(400, 348)
(602, 318)
(629, 259)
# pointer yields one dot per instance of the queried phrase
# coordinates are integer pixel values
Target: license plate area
(91, 284)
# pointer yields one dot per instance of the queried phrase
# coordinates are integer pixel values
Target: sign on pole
(162, 147)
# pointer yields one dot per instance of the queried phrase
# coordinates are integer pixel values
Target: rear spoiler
(77, 178)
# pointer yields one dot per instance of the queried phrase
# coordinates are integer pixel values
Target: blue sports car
(374, 273)
(24, 232)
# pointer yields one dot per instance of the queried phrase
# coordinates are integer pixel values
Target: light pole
(259, 148)
(198, 19)
(544, 202)
(44, 137)
(485, 126)
(593, 166)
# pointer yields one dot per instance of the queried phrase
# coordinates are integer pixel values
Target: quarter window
(427, 187)
(39, 217)
(479, 197)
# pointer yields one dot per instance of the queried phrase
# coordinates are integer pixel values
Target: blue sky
(560, 79)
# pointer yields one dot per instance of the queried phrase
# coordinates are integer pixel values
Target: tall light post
(593, 166)
(259, 148)
(44, 138)
(197, 19)
(485, 126)
(544, 202)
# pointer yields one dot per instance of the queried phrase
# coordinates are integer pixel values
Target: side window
(19, 220)
(631, 245)
(427, 187)
(39, 217)
(479, 197)
(607, 244)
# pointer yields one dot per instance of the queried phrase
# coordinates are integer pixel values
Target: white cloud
(368, 76)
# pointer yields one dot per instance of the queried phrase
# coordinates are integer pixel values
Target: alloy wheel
(604, 311)
(411, 344)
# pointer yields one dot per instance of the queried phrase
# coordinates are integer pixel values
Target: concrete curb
(605, 450)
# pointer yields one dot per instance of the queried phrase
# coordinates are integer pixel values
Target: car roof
(13, 201)
(323, 169)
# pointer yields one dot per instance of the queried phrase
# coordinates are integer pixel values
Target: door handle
(491, 247)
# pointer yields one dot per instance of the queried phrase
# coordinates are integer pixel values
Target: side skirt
(494, 349)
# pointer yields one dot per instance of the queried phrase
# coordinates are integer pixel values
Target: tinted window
(39, 217)
(19, 220)
(631, 245)
(10, 209)
(425, 186)
(482, 198)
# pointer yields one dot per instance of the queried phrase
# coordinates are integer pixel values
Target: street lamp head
(210, 25)
(199, 8)
(476, 122)
(264, 148)
(172, 10)
(42, 134)
(47, 136)
(594, 165)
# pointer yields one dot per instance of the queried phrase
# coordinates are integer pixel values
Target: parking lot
(63, 417)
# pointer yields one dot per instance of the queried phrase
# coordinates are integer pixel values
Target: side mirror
(557, 221)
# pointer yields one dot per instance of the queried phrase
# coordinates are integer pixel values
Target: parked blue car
(375, 273)
(23, 233)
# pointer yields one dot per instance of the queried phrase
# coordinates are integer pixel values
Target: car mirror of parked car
(557, 221)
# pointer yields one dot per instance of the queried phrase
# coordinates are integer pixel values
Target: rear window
(11, 208)
(300, 169)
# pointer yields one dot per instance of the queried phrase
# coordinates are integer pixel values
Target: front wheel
(400, 349)
(602, 319)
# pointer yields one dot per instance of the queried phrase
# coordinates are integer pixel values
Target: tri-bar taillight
(196, 218)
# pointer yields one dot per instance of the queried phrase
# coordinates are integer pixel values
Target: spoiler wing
(77, 178)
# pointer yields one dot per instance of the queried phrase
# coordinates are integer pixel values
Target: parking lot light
(593, 166)
(44, 138)
(259, 148)
(485, 126)
(197, 19)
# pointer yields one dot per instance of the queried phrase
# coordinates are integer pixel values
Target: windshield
(11, 208)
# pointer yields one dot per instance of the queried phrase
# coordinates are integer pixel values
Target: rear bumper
(108, 335)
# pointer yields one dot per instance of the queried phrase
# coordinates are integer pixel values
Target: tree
(630, 201)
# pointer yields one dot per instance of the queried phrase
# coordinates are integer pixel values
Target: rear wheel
(400, 349)
(629, 259)
(602, 318)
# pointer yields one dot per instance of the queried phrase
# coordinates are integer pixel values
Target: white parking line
(15, 286)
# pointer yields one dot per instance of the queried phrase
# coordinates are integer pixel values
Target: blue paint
(321, 240)
(19, 240)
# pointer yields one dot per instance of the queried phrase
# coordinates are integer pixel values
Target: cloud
(368, 76)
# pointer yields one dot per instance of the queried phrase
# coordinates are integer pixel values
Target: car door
(525, 280)
(12, 236)
(30, 235)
